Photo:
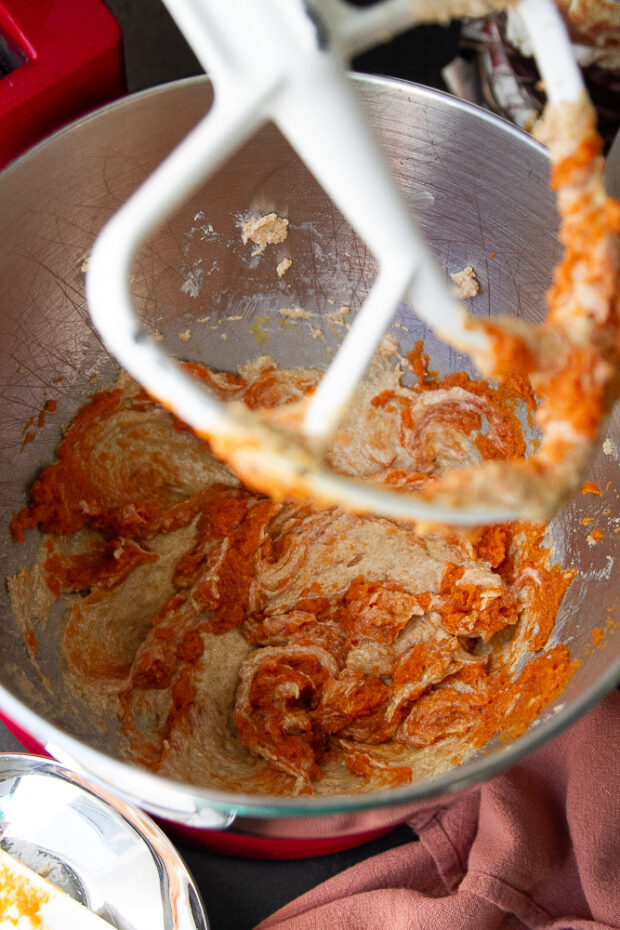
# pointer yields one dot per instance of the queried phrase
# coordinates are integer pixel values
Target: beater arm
(285, 61)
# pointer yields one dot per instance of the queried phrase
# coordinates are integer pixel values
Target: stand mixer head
(284, 61)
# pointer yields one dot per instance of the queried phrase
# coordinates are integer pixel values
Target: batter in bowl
(269, 647)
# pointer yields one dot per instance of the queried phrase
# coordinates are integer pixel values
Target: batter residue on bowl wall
(267, 647)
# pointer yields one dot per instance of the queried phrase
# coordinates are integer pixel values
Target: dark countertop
(155, 52)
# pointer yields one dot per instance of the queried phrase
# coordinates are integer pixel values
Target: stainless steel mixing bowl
(479, 189)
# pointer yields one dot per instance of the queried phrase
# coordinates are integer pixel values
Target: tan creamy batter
(267, 647)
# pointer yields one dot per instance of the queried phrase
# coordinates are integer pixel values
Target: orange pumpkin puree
(19, 899)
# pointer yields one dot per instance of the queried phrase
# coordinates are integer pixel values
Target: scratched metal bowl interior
(479, 190)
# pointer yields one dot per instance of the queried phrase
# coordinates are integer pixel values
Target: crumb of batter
(466, 282)
(283, 266)
(264, 646)
(264, 231)
(337, 316)
(296, 313)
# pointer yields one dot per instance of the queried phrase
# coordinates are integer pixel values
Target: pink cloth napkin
(537, 847)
